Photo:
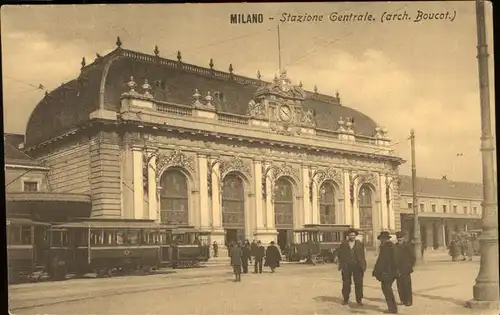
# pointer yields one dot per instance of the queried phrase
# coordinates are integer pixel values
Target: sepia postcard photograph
(250, 158)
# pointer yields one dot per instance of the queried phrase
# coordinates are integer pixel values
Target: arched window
(174, 197)
(327, 203)
(233, 202)
(283, 204)
(365, 214)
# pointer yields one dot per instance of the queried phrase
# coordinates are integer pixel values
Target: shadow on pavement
(441, 298)
(353, 307)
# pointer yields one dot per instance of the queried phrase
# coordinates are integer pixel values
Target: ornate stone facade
(175, 151)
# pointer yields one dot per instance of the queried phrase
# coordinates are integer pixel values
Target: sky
(403, 74)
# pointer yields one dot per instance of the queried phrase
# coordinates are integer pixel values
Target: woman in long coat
(455, 249)
(273, 256)
(470, 248)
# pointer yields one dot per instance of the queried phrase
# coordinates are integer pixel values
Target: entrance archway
(174, 199)
(283, 211)
(233, 208)
(327, 203)
(366, 214)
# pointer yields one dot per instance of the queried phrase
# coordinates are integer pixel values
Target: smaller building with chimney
(445, 207)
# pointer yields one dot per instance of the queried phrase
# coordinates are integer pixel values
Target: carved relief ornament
(322, 175)
(174, 158)
(368, 178)
(235, 164)
(287, 170)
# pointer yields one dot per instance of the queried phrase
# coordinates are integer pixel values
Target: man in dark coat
(406, 260)
(216, 249)
(386, 270)
(352, 264)
(245, 256)
(260, 252)
(273, 256)
(236, 254)
(253, 249)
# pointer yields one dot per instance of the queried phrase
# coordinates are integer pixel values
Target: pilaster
(153, 190)
(391, 222)
(315, 204)
(384, 225)
(348, 218)
(203, 196)
(138, 187)
(216, 198)
(306, 204)
(270, 224)
(259, 213)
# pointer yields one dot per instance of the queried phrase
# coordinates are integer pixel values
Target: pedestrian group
(394, 263)
(241, 255)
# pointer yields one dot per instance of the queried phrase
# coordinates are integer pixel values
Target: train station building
(152, 138)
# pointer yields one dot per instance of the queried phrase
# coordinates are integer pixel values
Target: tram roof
(324, 228)
(25, 221)
(111, 224)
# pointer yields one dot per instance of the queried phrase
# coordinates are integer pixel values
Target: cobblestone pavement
(439, 288)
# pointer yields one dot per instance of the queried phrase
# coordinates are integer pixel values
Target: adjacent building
(445, 207)
(152, 138)
(27, 188)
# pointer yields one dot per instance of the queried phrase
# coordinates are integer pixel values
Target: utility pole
(486, 289)
(417, 241)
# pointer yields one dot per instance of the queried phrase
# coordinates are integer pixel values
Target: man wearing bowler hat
(386, 270)
(406, 260)
(352, 264)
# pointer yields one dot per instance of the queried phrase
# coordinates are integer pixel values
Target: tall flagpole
(486, 290)
(279, 49)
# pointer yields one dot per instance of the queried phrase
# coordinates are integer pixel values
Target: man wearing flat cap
(406, 260)
(386, 270)
(352, 264)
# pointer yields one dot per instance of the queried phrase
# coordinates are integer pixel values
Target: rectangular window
(465, 209)
(422, 207)
(475, 210)
(445, 209)
(454, 208)
(433, 208)
(30, 186)
(410, 205)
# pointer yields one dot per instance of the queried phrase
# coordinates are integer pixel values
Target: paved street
(440, 288)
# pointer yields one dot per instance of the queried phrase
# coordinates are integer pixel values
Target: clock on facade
(284, 86)
(285, 113)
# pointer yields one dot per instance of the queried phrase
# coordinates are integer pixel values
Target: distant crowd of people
(462, 246)
(241, 255)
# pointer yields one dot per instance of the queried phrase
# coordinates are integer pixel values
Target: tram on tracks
(106, 247)
(319, 240)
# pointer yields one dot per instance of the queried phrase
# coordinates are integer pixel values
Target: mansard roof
(442, 188)
(101, 83)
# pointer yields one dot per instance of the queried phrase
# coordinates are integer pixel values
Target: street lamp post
(417, 241)
(486, 289)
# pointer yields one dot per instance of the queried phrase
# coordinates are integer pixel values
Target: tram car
(320, 240)
(26, 249)
(190, 247)
(105, 247)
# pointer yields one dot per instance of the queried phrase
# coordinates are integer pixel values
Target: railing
(233, 118)
(326, 133)
(365, 139)
(175, 109)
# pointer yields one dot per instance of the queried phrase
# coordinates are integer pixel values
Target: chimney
(444, 177)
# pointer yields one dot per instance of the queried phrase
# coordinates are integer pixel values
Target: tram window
(150, 237)
(26, 235)
(165, 238)
(121, 237)
(107, 237)
(179, 239)
(14, 235)
(96, 237)
(80, 237)
(133, 237)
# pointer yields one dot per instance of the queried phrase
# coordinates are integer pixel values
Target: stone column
(138, 182)
(306, 205)
(355, 206)
(259, 212)
(216, 198)
(446, 241)
(204, 206)
(315, 204)
(440, 235)
(152, 190)
(269, 201)
(391, 222)
(348, 219)
(383, 203)
(429, 235)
